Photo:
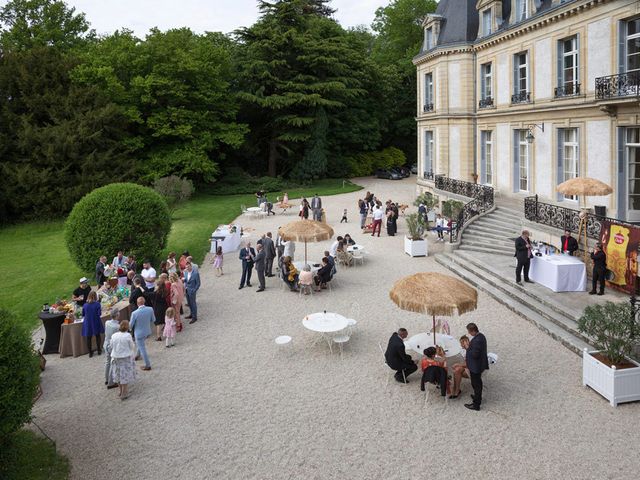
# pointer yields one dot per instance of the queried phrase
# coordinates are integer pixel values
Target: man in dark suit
(247, 255)
(269, 254)
(599, 269)
(477, 362)
(568, 243)
(397, 358)
(316, 206)
(259, 262)
(523, 254)
(101, 265)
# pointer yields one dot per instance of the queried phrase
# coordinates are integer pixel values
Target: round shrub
(19, 375)
(119, 216)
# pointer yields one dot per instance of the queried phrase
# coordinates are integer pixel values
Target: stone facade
(524, 94)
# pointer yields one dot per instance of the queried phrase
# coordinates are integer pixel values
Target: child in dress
(344, 216)
(217, 261)
(170, 327)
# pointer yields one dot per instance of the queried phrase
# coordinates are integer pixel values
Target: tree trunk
(273, 157)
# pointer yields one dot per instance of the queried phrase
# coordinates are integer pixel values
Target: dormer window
(486, 22)
(428, 38)
(522, 10)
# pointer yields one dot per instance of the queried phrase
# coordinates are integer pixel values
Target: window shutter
(516, 162)
(483, 157)
(560, 163)
(560, 65)
(622, 47)
(622, 177)
(578, 76)
(515, 74)
(483, 72)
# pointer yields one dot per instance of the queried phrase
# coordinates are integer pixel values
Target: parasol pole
(434, 330)
(305, 252)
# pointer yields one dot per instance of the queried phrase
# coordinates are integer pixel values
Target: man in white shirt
(378, 215)
(149, 274)
(289, 249)
(334, 247)
(119, 260)
(440, 227)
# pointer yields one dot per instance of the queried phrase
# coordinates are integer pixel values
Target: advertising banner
(620, 244)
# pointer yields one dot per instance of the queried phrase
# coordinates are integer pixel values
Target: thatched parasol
(585, 186)
(434, 294)
(306, 231)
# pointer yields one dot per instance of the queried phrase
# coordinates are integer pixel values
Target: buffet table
(72, 343)
(226, 236)
(560, 273)
(52, 323)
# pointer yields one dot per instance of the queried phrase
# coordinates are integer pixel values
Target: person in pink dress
(217, 261)
(170, 327)
(177, 297)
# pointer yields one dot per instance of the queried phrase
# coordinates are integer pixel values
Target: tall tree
(175, 87)
(25, 24)
(296, 62)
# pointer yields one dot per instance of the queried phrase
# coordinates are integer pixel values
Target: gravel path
(225, 403)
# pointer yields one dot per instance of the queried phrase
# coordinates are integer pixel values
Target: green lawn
(30, 456)
(36, 267)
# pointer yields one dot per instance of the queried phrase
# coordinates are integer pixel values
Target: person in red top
(434, 369)
(568, 243)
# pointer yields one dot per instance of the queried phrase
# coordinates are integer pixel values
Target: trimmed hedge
(120, 216)
(19, 375)
(365, 164)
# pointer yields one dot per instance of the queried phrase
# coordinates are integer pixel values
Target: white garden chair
(341, 339)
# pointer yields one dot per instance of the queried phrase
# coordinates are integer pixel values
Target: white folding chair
(341, 340)
(354, 314)
(305, 287)
(282, 341)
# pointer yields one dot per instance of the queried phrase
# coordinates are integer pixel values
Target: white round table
(356, 247)
(325, 322)
(254, 209)
(420, 341)
(300, 265)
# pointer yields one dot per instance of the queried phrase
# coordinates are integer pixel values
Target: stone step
(488, 250)
(481, 240)
(559, 315)
(509, 211)
(513, 303)
(472, 232)
(489, 228)
(499, 223)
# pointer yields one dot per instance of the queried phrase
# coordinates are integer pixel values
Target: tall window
(568, 157)
(486, 22)
(630, 54)
(428, 92)
(486, 157)
(522, 10)
(520, 78)
(485, 84)
(568, 67)
(428, 152)
(632, 154)
(521, 161)
(428, 38)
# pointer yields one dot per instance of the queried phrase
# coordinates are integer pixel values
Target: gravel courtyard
(225, 403)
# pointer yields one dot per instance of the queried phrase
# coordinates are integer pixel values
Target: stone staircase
(493, 233)
(485, 268)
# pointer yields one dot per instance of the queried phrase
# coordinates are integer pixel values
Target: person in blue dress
(92, 325)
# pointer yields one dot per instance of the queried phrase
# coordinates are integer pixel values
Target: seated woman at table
(92, 325)
(323, 276)
(344, 258)
(434, 369)
(290, 274)
(305, 280)
(460, 370)
(348, 240)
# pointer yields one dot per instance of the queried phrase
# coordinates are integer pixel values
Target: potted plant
(614, 331)
(429, 200)
(414, 243)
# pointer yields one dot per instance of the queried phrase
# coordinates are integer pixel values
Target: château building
(525, 94)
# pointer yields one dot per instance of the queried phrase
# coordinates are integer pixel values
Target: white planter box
(415, 248)
(617, 386)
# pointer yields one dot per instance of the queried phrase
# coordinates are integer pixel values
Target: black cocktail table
(52, 323)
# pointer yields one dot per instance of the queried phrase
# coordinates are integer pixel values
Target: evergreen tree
(314, 163)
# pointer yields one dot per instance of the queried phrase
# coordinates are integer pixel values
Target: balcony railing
(485, 102)
(427, 107)
(567, 90)
(522, 97)
(564, 218)
(427, 175)
(616, 86)
(481, 195)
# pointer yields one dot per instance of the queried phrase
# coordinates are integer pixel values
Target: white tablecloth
(355, 248)
(230, 241)
(560, 273)
(254, 209)
(314, 268)
(325, 322)
(419, 342)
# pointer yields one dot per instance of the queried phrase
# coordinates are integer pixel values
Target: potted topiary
(414, 242)
(614, 331)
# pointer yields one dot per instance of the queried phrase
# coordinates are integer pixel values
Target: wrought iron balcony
(618, 86)
(567, 90)
(522, 97)
(427, 107)
(485, 102)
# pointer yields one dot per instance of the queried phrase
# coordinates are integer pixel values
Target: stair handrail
(482, 200)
